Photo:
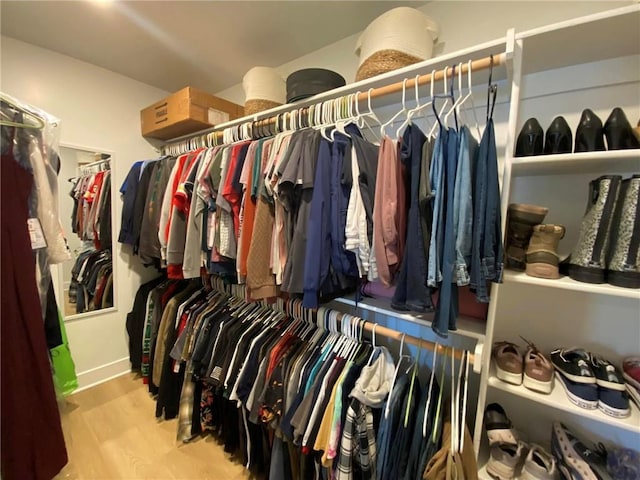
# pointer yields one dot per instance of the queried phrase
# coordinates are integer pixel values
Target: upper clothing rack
(495, 55)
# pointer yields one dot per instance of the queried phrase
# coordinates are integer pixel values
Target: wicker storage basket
(256, 106)
(382, 62)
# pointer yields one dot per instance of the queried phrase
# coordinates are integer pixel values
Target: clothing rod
(476, 65)
(96, 163)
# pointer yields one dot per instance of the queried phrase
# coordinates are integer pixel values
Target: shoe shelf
(567, 283)
(466, 326)
(611, 161)
(558, 399)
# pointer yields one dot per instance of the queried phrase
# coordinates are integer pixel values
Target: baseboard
(96, 376)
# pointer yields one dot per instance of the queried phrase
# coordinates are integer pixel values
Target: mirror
(86, 282)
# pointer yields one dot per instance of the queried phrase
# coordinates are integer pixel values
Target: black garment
(140, 203)
(51, 321)
(136, 319)
(129, 193)
(367, 156)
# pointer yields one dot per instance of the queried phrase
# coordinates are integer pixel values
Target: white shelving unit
(614, 161)
(564, 312)
(567, 283)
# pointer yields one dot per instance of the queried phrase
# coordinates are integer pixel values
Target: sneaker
(583, 395)
(538, 370)
(504, 459)
(574, 364)
(613, 399)
(624, 464)
(498, 426)
(508, 362)
(631, 369)
(539, 465)
(634, 394)
(575, 460)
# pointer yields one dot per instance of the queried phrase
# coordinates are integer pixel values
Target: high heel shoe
(530, 140)
(558, 138)
(618, 131)
(589, 134)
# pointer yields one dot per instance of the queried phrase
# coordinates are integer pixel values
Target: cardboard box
(186, 111)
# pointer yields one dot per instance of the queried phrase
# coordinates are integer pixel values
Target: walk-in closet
(320, 240)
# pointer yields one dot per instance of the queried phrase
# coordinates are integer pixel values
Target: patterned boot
(623, 265)
(588, 259)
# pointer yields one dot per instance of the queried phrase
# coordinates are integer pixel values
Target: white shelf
(467, 327)
(587, 39)
(558, 399)
(567, 283)
(613, 161)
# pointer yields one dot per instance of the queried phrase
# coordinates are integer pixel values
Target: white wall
(99, 110)
(462, 24)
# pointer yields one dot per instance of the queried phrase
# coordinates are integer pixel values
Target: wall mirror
(86, 282)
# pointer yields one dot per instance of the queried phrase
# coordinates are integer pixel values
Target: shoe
(624, 464)
(613, 399)
(618, 131)
(538, 371)
(558, 138)
(509, 362)
(634, 394)
(588, 258)
(539, 465)
(530, 139)
(521, 218)
(504, 460)
(631, 371)
(583, 395)
(498, 426)
(542, 253)
(575, 460)
(589, 134)
(574, 364)
(623, 259)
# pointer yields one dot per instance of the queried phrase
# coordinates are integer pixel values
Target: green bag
(64, 370)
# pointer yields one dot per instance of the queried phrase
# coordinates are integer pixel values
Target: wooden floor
(111, 433)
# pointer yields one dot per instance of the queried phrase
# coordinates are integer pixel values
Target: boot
(588, 259)
(520, 222)
(618, 131)
(542, 254)
(623, 265)
(530, 139)
(589, 134)
(558, 138)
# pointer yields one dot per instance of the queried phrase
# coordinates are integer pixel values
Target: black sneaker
(575, 460)
(574, 364)
(613, 399)
(498, 426)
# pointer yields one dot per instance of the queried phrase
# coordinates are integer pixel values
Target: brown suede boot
(520, 222)
(542, 253)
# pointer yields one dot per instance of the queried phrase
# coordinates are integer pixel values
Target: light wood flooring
(111, 433)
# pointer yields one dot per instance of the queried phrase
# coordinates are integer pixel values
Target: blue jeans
(411, 291)
(487, 254)
(436, 181)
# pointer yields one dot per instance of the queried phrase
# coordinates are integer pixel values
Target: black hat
(311, 81)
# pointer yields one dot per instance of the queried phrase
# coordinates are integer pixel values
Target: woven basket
(256, 106)
(384, 61)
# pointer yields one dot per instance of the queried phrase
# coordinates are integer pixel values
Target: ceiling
(170, 44)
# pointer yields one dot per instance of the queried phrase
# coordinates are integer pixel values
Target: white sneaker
(539, 465)
(504, 460)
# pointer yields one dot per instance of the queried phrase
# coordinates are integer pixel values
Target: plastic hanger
(373, 343)
(428, 403)
(407, 120)
(402, 356)
(455, 108)
(434, 433)
(447, 97)
(402, 111)
(413, 381)
(463, 413)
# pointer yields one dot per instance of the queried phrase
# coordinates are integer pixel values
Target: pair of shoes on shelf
(508, 455)
(532, 246)
(608, 247)
(533, 369)
(590, 135)
(574, 459)
(591, 382)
